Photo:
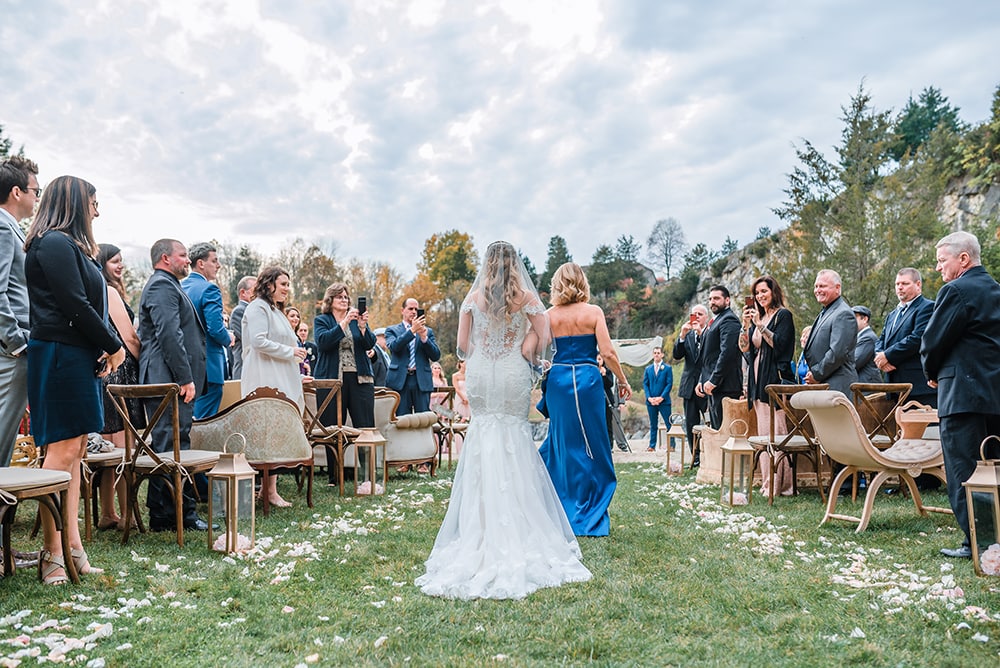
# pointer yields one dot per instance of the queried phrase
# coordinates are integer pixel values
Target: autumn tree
(381, 285)
(448, 257)
(316, 271)
(666, 243)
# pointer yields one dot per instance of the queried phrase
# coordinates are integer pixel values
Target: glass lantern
(676, 435)
(982, 493)
(737, 467)
(368, 459)
(231, 502)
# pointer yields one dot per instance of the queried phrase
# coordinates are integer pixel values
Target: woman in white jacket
(271, 354)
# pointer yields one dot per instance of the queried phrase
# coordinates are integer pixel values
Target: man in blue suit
(960, 352)
(207, 300)
(412, 346)
(657, 381)
(897, 351)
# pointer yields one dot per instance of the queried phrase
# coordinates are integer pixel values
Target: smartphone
(693, 318)
(362, 305)
(749, 302)
(420, 313)
(100, 366)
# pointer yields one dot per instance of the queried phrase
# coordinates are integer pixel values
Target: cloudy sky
(373, 124)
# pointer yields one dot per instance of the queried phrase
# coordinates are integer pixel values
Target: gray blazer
(864, 357)
(171, 334)
(236, 327)
(829, 350)
(14, 298)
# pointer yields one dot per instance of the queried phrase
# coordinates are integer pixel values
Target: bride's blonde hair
(502, 290)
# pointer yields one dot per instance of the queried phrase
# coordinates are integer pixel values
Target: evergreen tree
(918, 119)
(558, 255)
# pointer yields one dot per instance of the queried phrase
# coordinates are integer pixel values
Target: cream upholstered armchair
(845, 440)
(409, 438)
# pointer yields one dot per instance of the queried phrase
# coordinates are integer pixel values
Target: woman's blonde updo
(569, 285)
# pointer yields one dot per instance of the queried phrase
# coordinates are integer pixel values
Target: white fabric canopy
(636, 352)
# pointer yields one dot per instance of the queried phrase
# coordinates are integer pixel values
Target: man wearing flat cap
(864, 348)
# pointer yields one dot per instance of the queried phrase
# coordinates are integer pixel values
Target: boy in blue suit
(657, 381)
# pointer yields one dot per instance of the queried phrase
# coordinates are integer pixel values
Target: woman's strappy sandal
(82, 563)
(48, 564)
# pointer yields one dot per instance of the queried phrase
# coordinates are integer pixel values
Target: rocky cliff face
(964, 206)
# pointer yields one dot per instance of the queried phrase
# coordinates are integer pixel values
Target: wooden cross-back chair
(50, 489)
(333, 437)
(799, 441)
(142, 461)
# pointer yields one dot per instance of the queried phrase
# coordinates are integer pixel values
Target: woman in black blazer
(345, 357)
(767, 340)
(72, 347)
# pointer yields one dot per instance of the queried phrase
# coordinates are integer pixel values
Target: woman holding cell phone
(343, 340)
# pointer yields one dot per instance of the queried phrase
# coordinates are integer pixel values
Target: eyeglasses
(94, 204)
(38, 191)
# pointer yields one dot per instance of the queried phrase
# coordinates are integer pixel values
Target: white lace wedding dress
(505, 533)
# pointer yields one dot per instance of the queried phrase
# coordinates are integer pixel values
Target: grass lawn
(681, 581)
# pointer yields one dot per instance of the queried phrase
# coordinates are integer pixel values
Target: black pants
(693, 408)
(961, 436)
(357, 400)
(715, 407)
(158, 497)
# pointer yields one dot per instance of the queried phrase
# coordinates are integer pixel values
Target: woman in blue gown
(577, 452)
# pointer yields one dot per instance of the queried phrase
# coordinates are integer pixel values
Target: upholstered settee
(410, 439)
(272, 426)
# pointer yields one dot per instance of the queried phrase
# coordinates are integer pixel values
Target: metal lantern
(982, 493)
(231, 501)
(737, 467)
(674, 435)
(366, 467)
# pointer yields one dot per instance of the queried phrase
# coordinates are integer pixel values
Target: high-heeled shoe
(82, 563)
(48, 564)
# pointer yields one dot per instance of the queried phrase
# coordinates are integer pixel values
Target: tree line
(870, 208)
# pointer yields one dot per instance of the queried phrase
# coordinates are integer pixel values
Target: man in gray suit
(829, 351)
(19, 193)
(864, 347)
(172, 342)
(245, 289)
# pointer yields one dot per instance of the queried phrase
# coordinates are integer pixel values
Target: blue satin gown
(576, 451)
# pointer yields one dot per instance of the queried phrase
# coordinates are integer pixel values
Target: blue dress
(577, 451)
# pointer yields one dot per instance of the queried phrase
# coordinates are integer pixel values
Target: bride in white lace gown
(505, 533)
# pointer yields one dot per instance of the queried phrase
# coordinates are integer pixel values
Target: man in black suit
(688, 348)
(960, 352)
(829, 351)
(897, 351)
(172, 351)
(721, 361)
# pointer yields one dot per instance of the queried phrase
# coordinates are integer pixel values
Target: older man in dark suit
(897, 352)
(829, 351)
(721, 361)
(172, 351)
(960, 352)
(688, 348)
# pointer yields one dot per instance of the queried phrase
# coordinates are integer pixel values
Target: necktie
(413, 350)
(898, 319)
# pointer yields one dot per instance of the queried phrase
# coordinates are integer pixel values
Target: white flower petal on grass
(124, 646)
(162, 568)
(857, 633)
(288, 609)
(338, 640)
(979, 637)
(962, 625)
(381, 640)
(378, 604)
(312, 658)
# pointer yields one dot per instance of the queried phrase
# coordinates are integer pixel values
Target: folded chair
(845, 440)
(143, 462)
(49, 488)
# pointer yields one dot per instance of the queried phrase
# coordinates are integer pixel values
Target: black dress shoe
(198, 524)
(158, 525)
(963, 552)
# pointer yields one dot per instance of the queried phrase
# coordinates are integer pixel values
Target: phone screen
(693, 319)
(362, 305)
(420, 313)
(749, 301)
